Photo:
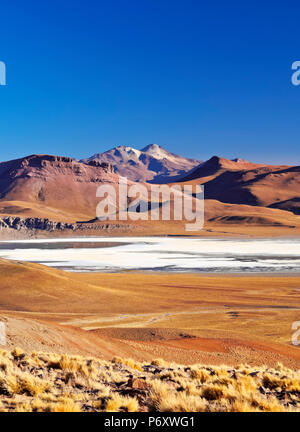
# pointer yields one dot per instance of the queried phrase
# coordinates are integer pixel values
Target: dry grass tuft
(62, 383)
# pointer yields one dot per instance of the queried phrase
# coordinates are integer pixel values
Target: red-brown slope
(250, 184)
(42, 185)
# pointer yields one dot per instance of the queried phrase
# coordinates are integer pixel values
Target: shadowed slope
(250, 184)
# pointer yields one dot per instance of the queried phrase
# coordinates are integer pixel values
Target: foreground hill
(181, 317)
(152, 163)
(60, 383)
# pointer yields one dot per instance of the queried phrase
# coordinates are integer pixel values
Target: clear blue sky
(197, 77)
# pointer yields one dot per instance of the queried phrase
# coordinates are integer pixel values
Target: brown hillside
(52, 186)
(251, 184)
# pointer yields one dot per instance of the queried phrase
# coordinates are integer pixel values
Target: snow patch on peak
(155, 151)
(128, 151)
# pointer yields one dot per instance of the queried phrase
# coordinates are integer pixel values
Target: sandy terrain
(186, 318)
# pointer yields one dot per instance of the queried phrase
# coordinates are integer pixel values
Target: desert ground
(186, 318)
(130, 341)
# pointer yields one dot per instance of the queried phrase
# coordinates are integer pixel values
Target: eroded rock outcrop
(18, 223)
(31, 225)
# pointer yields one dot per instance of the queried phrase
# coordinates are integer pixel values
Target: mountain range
(62, 189)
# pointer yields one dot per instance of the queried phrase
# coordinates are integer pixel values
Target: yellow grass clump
(62, 383)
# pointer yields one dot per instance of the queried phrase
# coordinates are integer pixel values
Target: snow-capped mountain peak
(152, 162)
(155, 151)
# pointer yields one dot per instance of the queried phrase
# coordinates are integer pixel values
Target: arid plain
(185, 318)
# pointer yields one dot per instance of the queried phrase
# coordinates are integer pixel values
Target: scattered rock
(137, 383)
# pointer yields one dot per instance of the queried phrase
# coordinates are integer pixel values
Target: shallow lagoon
(169, 254)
